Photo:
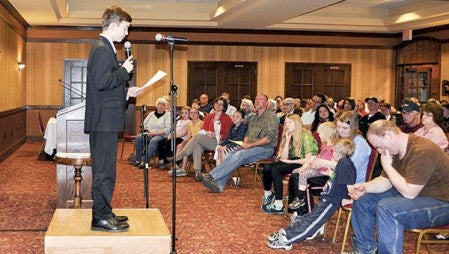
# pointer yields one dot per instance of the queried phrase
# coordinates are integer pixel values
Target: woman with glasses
(432, 118)
(207, 139)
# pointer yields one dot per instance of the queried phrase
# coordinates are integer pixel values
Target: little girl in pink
(328, 134)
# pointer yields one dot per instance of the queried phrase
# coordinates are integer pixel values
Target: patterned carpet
(230, 222)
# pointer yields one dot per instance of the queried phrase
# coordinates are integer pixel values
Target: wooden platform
(69, 232)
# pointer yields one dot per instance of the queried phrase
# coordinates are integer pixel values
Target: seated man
(258, 144)
(412, 192)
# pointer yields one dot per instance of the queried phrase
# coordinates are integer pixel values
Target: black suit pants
(103, 152)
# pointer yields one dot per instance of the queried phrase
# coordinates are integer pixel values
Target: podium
(71, 139)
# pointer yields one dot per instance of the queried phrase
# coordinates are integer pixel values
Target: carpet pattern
(230, 222)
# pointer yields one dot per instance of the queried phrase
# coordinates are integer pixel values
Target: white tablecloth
(50, 136)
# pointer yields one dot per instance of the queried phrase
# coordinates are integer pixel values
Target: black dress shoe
(120, 218)
(109, 225)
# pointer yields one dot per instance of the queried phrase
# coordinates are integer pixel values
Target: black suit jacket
(105, 91)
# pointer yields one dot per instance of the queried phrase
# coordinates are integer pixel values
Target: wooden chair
(425, 236)
(258, 165)
(126, 138)
(348, 208)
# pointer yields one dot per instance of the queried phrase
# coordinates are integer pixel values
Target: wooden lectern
(72, 140)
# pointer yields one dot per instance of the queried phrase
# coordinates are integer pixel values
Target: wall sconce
(20, 65)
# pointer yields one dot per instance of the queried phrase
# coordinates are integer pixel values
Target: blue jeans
(152, 143)
(236, 158)
(393, 214)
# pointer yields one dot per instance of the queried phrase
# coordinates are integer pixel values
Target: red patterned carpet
(230, 222)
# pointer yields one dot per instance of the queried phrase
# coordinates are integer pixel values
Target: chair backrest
(41, 123)
(371, 164)
(276, 149)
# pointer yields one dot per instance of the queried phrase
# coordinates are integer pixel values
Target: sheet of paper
(159, 75)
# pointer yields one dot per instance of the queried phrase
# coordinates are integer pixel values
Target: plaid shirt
(265, 125)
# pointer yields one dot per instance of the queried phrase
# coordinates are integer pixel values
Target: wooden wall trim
(225, 37)
(11, 17)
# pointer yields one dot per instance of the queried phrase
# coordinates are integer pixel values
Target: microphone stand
(173, 94)
(145, 158)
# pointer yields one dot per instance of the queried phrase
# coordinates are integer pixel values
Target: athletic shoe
(276, 235)
(268, 200)
(280, 242)
(297, 203)
(179, 172)
(271, 209)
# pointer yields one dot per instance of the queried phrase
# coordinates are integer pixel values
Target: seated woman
(297, 147)
(328, 133)
(207, 138)
(308, 226)
(157, 126)
(432, 119)
(247, 106)
(347, 123)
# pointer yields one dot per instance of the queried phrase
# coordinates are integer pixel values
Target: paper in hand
(159, 75)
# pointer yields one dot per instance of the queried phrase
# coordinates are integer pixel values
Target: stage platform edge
(69, 232)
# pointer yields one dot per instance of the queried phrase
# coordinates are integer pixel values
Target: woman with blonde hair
(297, 147)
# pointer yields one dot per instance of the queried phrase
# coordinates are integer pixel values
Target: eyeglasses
(425, 114)
(219, 103)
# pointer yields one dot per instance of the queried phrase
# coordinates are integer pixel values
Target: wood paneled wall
(12, 81)
(372, 69)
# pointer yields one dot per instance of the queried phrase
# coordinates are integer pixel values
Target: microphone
(167, 38)
(128, 49)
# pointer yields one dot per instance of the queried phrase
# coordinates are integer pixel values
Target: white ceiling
(383, 16)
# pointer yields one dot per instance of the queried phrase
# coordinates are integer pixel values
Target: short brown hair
(379, 128)
(115, 14)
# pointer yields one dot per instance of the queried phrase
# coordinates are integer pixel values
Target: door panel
(214, 78)
(306, 79)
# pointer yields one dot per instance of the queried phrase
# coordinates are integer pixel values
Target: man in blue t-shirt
(306, 227)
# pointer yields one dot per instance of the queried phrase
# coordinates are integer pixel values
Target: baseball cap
(372, 98)
(409, 106)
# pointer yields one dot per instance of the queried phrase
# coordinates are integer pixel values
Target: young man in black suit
(105, 115)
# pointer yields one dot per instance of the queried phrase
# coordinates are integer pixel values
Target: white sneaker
(280, 242)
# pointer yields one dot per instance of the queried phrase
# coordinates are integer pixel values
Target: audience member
(308, 117)
(278, 100)
(247, 107)
(231, 109)
(349, 104)
(196, 105)
(308, 226)
(236, 133)
(193, 127)
(385, 109)
(373, 115)
(327, 133)
(405, 196)
(296, 148)
(157, 126)
(289, 106)
(206, 139)
(322, 114)
(164, 147)
(258, 144)
(410, 115)
(204, 104)
(432, 120)
(347, 123)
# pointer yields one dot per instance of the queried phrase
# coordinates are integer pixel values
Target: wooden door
(415, 81)
(306, 79)
(214, 78)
